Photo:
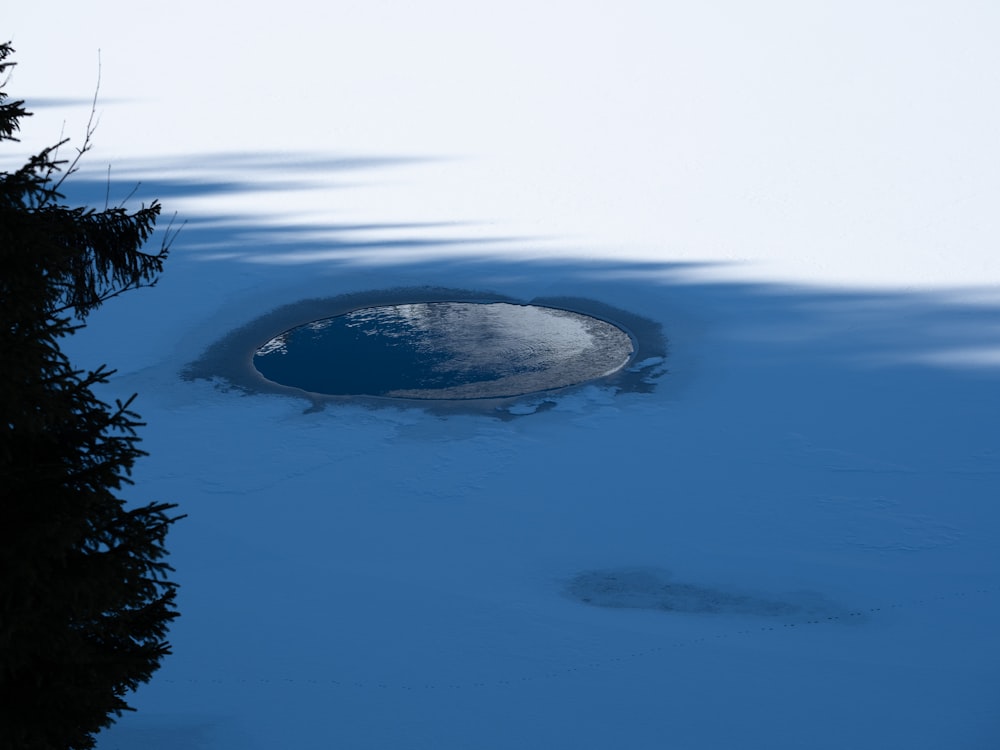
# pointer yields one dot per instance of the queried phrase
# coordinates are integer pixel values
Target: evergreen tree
(84, 598)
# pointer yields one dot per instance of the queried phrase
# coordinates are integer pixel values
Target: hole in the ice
(445, 350)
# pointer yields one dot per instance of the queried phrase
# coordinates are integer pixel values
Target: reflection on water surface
(445, 350)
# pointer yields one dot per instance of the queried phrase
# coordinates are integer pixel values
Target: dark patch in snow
(652, 588)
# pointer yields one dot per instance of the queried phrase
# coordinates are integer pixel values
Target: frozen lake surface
(789, 542)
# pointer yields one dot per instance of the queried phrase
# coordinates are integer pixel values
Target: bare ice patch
(451, 350)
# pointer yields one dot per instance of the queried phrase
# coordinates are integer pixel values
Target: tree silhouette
(84, 596)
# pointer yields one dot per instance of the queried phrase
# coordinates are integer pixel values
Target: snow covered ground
(802, 195)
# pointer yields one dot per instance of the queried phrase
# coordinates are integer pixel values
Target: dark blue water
(445, 350)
